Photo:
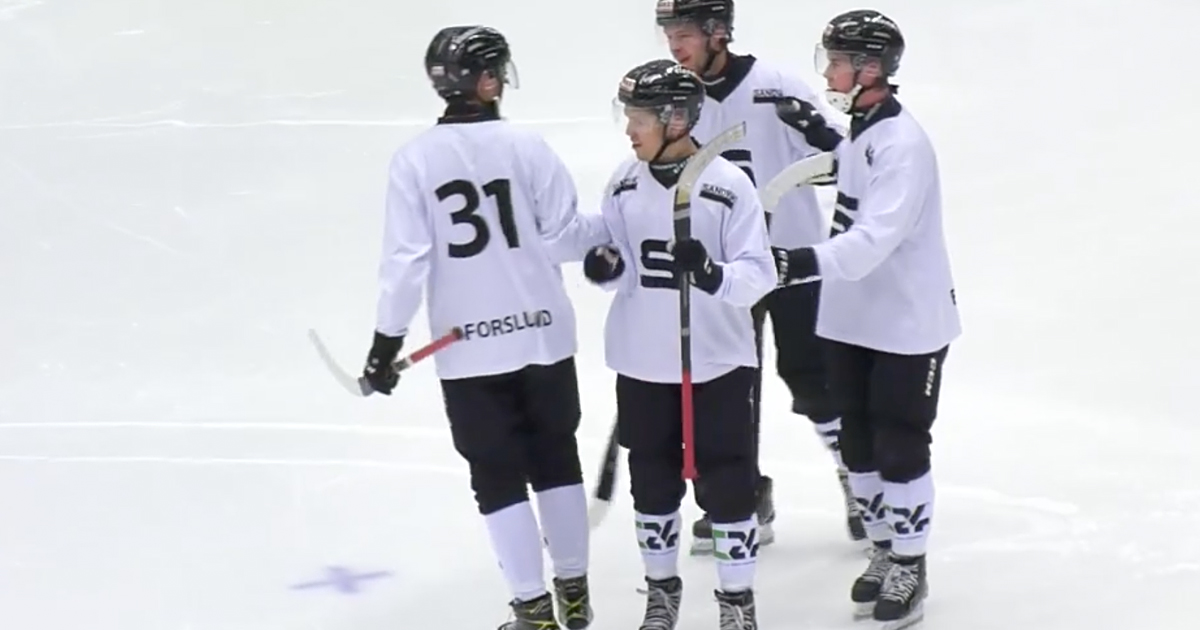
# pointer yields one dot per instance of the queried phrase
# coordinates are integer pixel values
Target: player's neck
(677, 151)
(718, 64)
(463, 111)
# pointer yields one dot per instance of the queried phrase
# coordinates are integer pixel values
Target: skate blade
(915, 616)
(766, 534)
(701, 547)
(863, 610)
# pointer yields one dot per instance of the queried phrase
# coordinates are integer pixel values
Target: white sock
(517, 544)
(563, 514)
(868, 491)
(831, 434)
(658, 538)
(735, 546)
(910, 512)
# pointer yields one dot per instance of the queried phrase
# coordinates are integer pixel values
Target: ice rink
(186, 187)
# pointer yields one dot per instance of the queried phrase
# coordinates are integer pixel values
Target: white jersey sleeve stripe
(893, 205)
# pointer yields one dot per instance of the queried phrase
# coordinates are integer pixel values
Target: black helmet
(706, 13)
(663, 86)
(459, 55)
(866, 33)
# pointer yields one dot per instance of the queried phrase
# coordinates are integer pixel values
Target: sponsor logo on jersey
(506, 325)
(625, 185)
(723, 196)
(768, 95)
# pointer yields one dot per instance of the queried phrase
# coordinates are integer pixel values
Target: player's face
(645, 132)
(689, 44)
(843, 70)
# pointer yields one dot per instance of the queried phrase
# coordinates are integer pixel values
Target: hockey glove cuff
(603, 264)
(379, 371)
(691, 257)
(798, 264)
(805, 118)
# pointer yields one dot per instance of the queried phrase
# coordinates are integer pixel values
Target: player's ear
(488, 86)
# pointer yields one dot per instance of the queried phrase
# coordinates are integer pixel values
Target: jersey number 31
(501, 190)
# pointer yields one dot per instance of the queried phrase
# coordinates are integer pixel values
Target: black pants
(516, 429)
(649, 424)
(888, 403)
(799, 358)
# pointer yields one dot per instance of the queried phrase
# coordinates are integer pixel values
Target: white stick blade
(348, 383)
(798, 174)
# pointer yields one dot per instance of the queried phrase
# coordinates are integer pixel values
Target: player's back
(491, 271)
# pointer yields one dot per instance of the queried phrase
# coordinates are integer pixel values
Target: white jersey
(886, 272)
(641, 334)
(747, 93)
(481, 214)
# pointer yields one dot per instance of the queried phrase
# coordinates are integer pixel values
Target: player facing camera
(660, 102)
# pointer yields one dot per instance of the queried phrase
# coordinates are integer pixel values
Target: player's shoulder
(899, 129)
(727, 183)
(770, 81)
(624, 178)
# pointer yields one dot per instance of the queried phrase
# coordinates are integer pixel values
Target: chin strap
(844, 101)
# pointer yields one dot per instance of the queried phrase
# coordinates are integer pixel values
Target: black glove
(379, 371)
(795, 264)
(603, 264)
(691, 257)
(805, 118)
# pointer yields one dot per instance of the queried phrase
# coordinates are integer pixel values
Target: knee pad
(810, 396)
(729, 489)
(554, 462)
(856, 444)
(497, 484)
(655, 482)
(901, 453)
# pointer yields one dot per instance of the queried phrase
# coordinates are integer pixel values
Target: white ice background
(186, 186)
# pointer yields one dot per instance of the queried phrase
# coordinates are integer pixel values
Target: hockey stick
(800, 173)
(605, 485)
(360, 386)
(683, 231)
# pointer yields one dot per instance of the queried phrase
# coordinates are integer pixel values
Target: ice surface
(185, 187)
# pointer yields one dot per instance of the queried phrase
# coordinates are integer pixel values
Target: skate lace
(527, 619)
(661, 609)
(573, 597)
(880, 565)
(901, 583)
(734, 616)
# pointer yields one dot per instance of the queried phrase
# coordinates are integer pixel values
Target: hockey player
(731, 268)
(887, 310)
(481, 213)
(742, 88)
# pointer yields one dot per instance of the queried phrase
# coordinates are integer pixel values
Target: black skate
(737, 610)
(574, 603)
(662, 604)
(765, 510)
(702, 537)
(535, 614)
(868, 586)
(854, 520)
(901, 601)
